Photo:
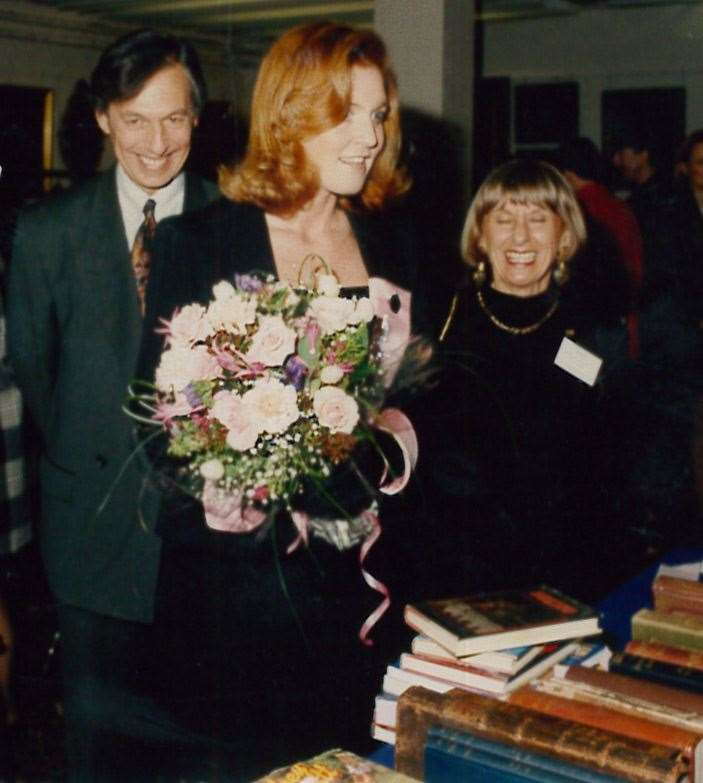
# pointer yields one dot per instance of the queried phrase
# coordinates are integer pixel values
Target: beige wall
(605, 49)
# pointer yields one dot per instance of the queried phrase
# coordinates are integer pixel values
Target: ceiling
(250, 25)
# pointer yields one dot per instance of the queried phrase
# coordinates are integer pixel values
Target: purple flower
(194, 399)
(296, 370)
(249, 283)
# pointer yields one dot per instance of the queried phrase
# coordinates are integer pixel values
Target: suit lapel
(105, 258)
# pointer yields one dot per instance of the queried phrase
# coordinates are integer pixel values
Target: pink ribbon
(397, 424)
(371, 581)
(302, 524)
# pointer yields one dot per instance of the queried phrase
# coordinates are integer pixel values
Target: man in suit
(74, 325)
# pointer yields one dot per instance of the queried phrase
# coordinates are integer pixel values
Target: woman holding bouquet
(260, 646)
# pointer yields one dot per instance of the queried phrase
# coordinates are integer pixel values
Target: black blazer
(193, 252)
(74, 331)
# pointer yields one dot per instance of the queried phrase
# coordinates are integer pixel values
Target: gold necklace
(516, 329)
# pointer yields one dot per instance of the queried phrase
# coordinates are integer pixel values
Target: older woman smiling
(524, 478)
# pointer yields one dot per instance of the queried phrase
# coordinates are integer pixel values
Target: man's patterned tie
(141, 248)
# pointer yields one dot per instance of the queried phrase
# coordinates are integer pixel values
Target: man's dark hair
(126, 65)
(581, 156)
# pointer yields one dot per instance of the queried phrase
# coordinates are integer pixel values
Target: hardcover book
(673, 594)
(603, 751)
(451, 755)
(662, 652)
(676, 629)
(629, 703)
(657, 671)
(604, 717)
(460, 674)
(507, 661)
(497, 621)
(643, 690)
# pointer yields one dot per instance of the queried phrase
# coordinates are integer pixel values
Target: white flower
(212, 470)
(223, 290)
(332, 312)
(272, 341)
(327, 285)
(188, 325)
(332, 373)
(272, 405)
(180, 365)
(229, 409)
(335, 409)
(232, 312)
(363, 312)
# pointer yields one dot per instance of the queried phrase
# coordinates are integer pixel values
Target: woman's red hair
(304, 88)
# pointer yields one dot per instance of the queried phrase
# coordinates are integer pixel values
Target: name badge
(578, 361)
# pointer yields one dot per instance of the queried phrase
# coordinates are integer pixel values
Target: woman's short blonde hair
(304, 88)
(523, 182)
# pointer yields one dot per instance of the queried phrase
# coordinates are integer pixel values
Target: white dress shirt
(169, 201)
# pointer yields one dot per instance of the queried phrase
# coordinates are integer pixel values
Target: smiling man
(77, 280)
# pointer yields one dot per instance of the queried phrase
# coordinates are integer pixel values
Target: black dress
(260, 648)
(521, 449)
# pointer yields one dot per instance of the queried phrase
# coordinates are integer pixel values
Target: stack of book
(488, 643)
(575, 722)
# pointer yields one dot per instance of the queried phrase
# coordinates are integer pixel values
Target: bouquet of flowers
(269, 388)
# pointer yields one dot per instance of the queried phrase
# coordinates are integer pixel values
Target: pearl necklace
(516, 329)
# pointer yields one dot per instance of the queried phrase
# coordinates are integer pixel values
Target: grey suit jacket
(74, 331)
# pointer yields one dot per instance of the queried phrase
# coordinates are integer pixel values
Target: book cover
(495, 621)
(335, 766)
(624, 703)
(604, 717)
(605, 751)
(662, 652)
(460, 745)
(675, 629)
(506, 661)
(657, 671)
(673, 594)
(643, 690)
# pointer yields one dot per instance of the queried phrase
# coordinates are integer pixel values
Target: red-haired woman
(264, 645)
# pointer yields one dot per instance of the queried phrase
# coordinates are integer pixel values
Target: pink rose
(272, 342)
(225, 511)
(229, 409)
(335, 409)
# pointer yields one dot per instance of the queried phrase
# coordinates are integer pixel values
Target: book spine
(672, 594)
(629, 705)
(509, 723)
(638, 689)
(513, 757)
(610, 718)
(601, 717)
(675, 629)
(662, 652)
(657, 671)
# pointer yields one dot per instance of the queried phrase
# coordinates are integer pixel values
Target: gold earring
(479, 274)
(561, 272)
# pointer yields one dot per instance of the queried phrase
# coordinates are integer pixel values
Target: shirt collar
(165, 197)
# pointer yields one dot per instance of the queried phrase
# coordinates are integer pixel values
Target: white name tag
(577, 361)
